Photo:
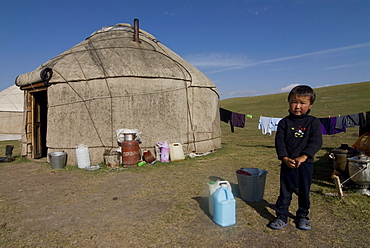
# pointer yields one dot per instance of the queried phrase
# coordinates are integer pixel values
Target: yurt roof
(11, 99)
(111, 52)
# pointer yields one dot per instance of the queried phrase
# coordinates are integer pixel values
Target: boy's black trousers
(296, 181)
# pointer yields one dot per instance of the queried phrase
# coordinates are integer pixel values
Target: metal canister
(130, 151)
(359, 169)
(340, 156)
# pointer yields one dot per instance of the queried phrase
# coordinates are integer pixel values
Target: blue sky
(246, 47)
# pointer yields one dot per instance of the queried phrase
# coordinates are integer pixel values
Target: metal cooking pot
(359, 171)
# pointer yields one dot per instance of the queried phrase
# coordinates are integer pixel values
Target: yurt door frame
(37, 122)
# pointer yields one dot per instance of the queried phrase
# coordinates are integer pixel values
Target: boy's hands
(294, 163)
(300, 160)
(289, 162)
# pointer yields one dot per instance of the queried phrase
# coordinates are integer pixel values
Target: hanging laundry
(225, 115)
(332, 125)
(268, 124)
(235, 119)
(328, 126)
(334, 130)
(364, 123)
(325, 126)
(338, 128)
(238, 120)
(341, 120)
(353, 120)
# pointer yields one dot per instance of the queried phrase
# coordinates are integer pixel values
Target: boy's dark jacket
(298, 135)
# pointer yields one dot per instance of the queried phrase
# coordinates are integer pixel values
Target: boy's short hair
(303, 90)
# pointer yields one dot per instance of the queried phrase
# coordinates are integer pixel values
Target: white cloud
(287, 88)
(238, 93)
(169, 13)
(220, 62)
(346, 65)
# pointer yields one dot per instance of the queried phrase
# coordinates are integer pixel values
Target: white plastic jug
(224, 207)
(213, 186)
(83, 156)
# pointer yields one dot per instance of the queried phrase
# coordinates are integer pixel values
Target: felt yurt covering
(111, 81)
(11, 113)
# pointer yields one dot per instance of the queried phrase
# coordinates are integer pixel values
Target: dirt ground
(165, 206)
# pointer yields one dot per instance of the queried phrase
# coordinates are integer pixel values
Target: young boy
(298, 139)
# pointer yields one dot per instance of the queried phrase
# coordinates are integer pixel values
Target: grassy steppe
(166, 204)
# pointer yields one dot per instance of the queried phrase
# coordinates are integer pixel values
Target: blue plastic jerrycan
(224, 207)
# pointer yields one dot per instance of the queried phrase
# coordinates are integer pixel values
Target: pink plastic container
(165, 151)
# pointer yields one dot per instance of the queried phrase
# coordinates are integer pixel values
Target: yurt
(120, 77)
(11, 113)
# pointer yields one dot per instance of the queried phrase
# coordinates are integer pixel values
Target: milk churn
(165, 151)
(130, 150)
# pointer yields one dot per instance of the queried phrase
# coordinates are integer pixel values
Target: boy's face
(299, 105)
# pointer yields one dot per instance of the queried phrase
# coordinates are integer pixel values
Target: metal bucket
(112, 159)
(57, 160)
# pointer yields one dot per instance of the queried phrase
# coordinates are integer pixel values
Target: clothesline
(329, 126)
(333, 125)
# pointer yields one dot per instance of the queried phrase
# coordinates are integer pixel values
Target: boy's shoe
(303, 224)
(277, 224)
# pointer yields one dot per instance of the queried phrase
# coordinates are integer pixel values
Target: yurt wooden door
(38, 123)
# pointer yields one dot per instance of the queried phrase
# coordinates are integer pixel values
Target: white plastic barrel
(83, 156)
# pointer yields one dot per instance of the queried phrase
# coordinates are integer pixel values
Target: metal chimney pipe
(136, 30)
